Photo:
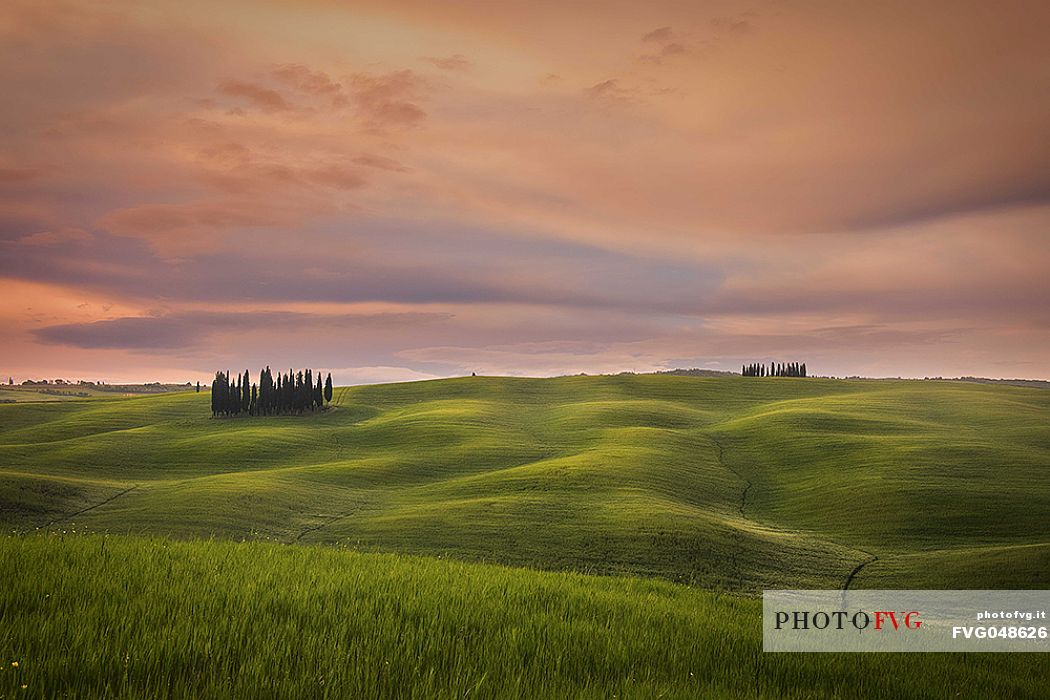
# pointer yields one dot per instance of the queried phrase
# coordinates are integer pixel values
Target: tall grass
(94, 616)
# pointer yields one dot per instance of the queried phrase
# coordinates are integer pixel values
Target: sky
(397, 190)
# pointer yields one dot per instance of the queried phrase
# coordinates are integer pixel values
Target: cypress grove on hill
(775, 369)
(294, 392)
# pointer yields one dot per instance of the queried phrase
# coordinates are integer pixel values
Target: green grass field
(724, 484)
(730, 483)
(109, 616)
(19, 393)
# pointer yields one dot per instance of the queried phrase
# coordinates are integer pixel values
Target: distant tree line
(294, 392)
(775, 369)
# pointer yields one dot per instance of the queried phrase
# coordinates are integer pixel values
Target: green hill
(725, 482)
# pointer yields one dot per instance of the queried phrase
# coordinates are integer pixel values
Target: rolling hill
(726, 483)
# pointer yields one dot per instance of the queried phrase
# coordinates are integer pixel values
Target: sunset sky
(407, 189)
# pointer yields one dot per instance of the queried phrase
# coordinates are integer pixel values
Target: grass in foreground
(90, 616)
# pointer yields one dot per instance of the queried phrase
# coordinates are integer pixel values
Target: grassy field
(728, 483)
(20, 393)
(95, 616)
(689, 494)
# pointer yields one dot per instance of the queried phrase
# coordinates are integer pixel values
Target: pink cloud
(455, 62)
(59, 237)
(260, 96)
(194, 227)
(854, 182)
(389, 100)
(305, 80)
(659, 35)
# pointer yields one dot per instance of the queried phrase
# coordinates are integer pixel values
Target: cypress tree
(271, 392)
(260, 401)
(246, 392)
(271, 400)
(295, 391)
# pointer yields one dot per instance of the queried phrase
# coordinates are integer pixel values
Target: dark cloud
(454, 268)
(445, 267)
(190, 329)
(904, 202)
(123, 333)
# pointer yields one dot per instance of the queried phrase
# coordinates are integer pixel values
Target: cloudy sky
(407, 189)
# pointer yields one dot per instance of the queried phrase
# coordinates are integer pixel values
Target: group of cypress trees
(294, 392)
(775, 369)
